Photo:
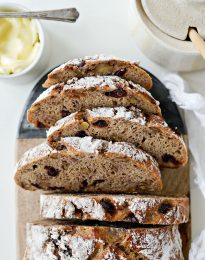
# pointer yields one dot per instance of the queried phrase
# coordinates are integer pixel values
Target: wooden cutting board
(175, 181)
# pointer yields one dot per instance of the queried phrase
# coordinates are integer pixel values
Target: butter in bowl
(21, 43)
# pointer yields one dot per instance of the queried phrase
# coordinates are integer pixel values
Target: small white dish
(40, 51)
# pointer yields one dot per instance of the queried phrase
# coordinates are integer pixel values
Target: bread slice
(148, 132)
(109, 91)
(48, 240)
(99, 65)
(108, 207)
(91, 165)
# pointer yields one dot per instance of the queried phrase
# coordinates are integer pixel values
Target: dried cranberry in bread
(143, 209)
(78, 94)
(89, 165)
(148, 132)
(60, 240)
(99, 65)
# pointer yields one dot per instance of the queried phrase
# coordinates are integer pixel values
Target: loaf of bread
(79, 94)
(104, 148)
(143, 209)
(99, 65)
(91, 165)
(60, 240)
(148, 132)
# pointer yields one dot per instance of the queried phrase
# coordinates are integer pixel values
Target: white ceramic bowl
(37, 59)
(171, 53)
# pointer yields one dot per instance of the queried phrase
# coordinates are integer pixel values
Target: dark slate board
(159, 92)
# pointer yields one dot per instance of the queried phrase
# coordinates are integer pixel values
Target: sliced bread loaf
(148, 132)
(105, 207)
(91, 165)
(60, 240)
(99, 65)
(79, 94)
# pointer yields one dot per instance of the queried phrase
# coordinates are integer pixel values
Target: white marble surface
(102, 28)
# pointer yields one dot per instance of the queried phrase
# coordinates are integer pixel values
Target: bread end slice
(46, 240)
(99, 65)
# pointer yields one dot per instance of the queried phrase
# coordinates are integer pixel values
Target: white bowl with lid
(37, 59)
(167, 51)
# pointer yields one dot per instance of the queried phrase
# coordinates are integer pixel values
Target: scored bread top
(101, 83)
(45, 239)
(90, 145)
(39, 151)
(131, 114)
(98, 57)
(99, 65)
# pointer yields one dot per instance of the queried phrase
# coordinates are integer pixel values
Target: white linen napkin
(197, 251)
(193, 105)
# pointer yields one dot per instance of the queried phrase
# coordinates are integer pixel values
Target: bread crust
(88, 165)
(142, 209)
(148, 132)
(78, 94)
(47, 240)
(99, 65)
